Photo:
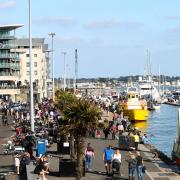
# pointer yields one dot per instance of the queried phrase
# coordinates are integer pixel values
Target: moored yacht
(148, 90)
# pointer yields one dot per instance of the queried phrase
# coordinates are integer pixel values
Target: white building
(41, 65)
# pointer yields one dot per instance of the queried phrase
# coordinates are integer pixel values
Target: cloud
(173, 17)
(175, 29)
(8, 4)
(64, 21)
(71, 40)
(113, 24)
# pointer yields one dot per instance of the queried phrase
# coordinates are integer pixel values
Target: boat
(141, 125)
(151, 105)
(147, 89)
(134, 107)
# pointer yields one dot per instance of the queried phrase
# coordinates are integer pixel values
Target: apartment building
(9, 63)
(15, 66)
(40, 68)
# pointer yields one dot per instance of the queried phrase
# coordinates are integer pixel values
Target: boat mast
(159, 82)
(179, 124)
(149, 74)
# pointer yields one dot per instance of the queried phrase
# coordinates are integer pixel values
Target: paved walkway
(156, 169)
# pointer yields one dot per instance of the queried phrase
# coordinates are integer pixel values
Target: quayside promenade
(156, 169)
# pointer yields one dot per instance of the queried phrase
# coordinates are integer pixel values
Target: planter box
(63, 148)
(67, 168)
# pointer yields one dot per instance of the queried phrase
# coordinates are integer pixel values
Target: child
(16, 162)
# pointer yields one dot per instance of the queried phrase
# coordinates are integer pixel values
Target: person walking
(16, 162)
(136, 140)
(89, 153)
(107, 158)
(139, 166)
(113, 130)
(117, 157)
(132, 166)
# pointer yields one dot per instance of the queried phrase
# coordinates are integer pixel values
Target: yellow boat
(133, 107)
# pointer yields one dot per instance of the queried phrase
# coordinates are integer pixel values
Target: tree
(80, 115)
(63, 99)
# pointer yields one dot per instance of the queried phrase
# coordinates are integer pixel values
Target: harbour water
(161, 127)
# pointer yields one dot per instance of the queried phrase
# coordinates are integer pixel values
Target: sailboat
(148, 90)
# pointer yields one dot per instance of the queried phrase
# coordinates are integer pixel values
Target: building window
(35, 55)
(27, 73)
(35, 73)
(35, 64)
(27, 55)
(27, 64)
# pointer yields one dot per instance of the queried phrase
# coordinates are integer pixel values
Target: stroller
(116, 167)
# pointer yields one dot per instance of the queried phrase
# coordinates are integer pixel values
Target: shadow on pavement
(7, 168)
(116, 177)
(54, 173)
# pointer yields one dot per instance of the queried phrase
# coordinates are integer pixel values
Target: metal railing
(9, 56)
(9, 65)
(8, 74)
(6, 37)
(7, 46)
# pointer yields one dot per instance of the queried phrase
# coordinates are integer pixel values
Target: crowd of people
(112, 159)
(46, 124)
(46, 127)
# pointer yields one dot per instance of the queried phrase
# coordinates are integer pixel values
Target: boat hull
(157, 107)
(136, 114)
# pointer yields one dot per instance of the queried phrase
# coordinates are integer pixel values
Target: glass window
(35, 73)
(27, 55)
(27, 73)
(35, 64)
(27, 64)
(35, 55)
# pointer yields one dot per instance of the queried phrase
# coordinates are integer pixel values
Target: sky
(112, 36)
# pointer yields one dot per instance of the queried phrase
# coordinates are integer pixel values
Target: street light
(64, 86)
(48, 72)
(31, 71)
(52, 34)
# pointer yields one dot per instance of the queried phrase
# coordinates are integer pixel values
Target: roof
(10, 27)
(25, 41)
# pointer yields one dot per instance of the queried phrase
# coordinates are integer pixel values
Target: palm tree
(81, 115)
(62, 100)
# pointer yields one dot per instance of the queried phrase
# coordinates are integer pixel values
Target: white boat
(153, 106)
(156, 106)
(147, 89)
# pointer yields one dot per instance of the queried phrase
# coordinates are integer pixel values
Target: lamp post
(48, 72)
(64, 86)
(31, 72)
(52, 34)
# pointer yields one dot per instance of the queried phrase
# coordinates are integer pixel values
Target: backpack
(108, 154)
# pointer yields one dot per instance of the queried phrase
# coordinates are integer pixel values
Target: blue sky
(111, 36)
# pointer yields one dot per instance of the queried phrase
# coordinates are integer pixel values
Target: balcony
(6, 37)
(9, 65)
(15, 66)
(9, 90)
(9, 76)
(7, 46)
(9, 56)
